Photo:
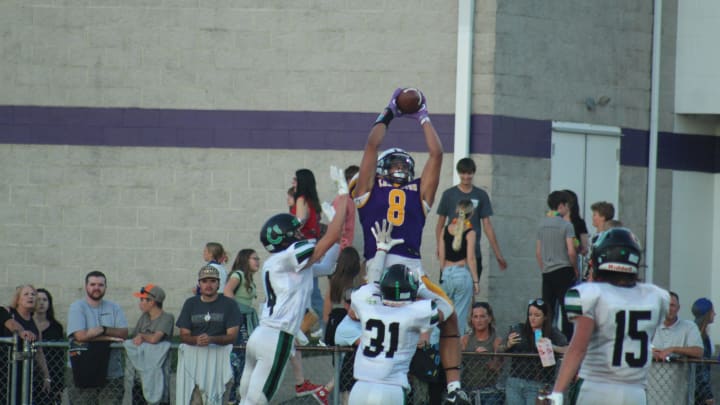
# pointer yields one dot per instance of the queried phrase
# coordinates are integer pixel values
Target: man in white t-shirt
(674, 339)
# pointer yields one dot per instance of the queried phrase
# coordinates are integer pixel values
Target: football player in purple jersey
(387, 191)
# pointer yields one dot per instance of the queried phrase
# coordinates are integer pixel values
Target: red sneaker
(306, 388)
(322, 395)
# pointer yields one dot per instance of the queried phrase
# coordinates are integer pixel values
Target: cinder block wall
(144, 214)
(138, 214)
(244, 55)
(551, 57)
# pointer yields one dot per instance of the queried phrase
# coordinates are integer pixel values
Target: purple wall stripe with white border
(490, 134)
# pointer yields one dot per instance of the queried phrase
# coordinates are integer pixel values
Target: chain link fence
(490, 379)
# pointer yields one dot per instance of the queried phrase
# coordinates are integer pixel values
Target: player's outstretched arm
(384, 242)
(431, 171)
(366, 176)
(334, 230)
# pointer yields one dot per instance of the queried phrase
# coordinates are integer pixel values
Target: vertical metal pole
(653, 147)
(13, 360)
(337, 360)
(463, 83)
(26, 381)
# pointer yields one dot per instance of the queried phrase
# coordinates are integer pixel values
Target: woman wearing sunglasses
(527, 374)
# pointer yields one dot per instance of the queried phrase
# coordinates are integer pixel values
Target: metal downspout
(652, 153)
(463, 83)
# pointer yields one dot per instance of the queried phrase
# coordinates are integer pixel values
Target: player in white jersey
(391, 320)
(615, 320)
(287, 279)
(390, 334)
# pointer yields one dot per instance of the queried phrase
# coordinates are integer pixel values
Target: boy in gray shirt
(556, 255)
(465, 190)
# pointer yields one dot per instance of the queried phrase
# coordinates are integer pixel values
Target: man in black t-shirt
(209, 318)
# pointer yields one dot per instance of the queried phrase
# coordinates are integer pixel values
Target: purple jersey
(402, 206)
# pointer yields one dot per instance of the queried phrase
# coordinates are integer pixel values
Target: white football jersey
(625, 322)
(389, 335)
(287, 287)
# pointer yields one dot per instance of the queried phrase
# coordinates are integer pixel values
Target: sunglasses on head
(144, 291)
(538, 302)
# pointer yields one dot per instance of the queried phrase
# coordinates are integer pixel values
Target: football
(409, 101)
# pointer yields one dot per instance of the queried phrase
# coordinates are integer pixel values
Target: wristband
(424, 120)
(384, 118)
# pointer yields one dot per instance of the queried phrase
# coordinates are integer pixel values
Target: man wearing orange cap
(155, 327)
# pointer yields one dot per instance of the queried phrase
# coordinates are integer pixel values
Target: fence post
(337, 358)
(13, 360)
(26, 380)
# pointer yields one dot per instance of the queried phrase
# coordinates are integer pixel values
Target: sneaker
(306, 388)
(318, 334)
(322, 395)
(457, 397)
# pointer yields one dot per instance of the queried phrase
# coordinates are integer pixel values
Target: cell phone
(517, 329)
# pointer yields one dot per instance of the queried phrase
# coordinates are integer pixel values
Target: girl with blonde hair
(21, 310)
(459, 276)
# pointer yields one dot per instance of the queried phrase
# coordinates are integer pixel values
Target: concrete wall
(698, 62)
(138, 214)
(551, 57)
(520, 188)
(303, 55)
(144, 214)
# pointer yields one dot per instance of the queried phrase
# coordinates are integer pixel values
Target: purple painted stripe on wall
(689, 152)
(634, 146)
(521, 137)
(211, 129)
(700, 153)
(497, 135)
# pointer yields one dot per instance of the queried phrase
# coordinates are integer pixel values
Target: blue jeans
(316, 299)
(520, 391)
(458, 285)
(491, 397)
